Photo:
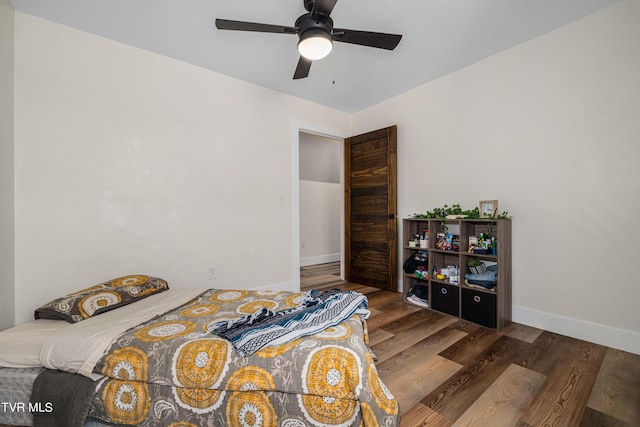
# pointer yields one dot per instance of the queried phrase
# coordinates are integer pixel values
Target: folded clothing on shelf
(486, 280)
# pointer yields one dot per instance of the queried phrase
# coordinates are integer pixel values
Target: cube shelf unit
(490, 308)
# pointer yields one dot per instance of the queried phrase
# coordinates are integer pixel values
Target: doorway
(315, 167)
(320, 160)
(364, 236)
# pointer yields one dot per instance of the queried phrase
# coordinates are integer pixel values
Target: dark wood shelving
(488, 307)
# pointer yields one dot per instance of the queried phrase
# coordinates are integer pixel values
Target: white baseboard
(321, 259)
(285, 286)
(620, 339)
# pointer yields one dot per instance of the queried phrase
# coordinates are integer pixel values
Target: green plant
(448, 210)
(455, 210)
(474, 262)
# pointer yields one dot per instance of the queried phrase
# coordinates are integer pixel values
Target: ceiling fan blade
(367, 38)
(226, 24)
(302, 70)
(323, 7)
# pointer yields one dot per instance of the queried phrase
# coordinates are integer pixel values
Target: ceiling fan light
(315, 44)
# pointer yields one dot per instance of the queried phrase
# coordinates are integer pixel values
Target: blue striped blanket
(318, 311)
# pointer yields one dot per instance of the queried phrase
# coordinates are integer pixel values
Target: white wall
(550, 129)
(320, 158)
(127, 161)
(7, 295)
(320, 199)
(320, 210)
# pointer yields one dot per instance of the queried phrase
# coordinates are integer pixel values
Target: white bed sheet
(80, 346)
(20, 346)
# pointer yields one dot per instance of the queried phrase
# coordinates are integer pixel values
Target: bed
(158, 362)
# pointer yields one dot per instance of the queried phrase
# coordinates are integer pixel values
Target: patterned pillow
(101, 298)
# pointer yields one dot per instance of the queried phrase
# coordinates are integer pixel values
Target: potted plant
(476, 266)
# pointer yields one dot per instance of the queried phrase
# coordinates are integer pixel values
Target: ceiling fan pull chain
(333, 66)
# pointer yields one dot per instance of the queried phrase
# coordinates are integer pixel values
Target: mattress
(16, 385)
(20, 365)
(15, 390)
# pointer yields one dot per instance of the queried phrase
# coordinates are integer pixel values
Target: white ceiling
(439, 37)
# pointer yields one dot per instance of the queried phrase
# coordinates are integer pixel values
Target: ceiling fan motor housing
(307, 23)
(314, 36)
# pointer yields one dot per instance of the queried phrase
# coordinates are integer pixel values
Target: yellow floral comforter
(171, 372)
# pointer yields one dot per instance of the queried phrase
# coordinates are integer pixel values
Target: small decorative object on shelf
(488, 208)
(444, 241)
(476, 266)
(473, 243)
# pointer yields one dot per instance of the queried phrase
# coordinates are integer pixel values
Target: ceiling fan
(316, 34)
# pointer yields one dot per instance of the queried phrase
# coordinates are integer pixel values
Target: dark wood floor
(448, 372)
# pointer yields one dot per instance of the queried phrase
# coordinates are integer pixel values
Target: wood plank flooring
(449, 372)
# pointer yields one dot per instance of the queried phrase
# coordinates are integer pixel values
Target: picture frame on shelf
(488, 208)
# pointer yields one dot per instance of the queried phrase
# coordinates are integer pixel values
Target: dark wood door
(370, 209)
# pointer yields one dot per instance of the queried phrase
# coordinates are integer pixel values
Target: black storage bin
(479, 307)
(444, 298)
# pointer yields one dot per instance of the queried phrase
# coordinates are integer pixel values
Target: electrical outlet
(280, 198)
(302, 245)
(212, 272)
